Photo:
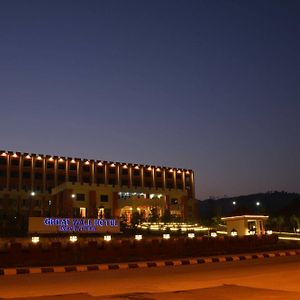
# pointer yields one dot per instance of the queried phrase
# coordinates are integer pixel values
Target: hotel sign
(69, 225)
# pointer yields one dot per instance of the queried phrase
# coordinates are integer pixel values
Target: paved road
(273, 278)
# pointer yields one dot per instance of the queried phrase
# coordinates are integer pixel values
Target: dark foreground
(271, 278)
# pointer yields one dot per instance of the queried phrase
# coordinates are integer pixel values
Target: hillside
(271, 203)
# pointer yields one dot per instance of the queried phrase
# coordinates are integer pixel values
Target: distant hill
(270, 203)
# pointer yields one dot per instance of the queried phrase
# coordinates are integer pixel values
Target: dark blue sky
(208, 85)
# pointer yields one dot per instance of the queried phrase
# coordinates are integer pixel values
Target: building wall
(33, 184)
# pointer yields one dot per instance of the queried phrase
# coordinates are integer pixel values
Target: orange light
(100, 163)
(87, 162)
(125, 167)
(51, 159)
(3, 154)
(39, 158)
(112, 165)
(60, 160)
(149, 169)
(15, 155)
(136, 167)
(28, 156)
(171, 170)
(158, 170)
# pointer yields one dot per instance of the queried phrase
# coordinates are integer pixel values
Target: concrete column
(130, 176)
(93, 172)
(193, 184)
(153, 177)
(67, 170)
(142, 176)
(55, 172)
(105, 174)
(44, 174)
(7, 171)
(174, 178)
(20, 172)
(78, 171)
(32, 172)
(164, 178)
(118, 174)
(115, 205)
(92, 207)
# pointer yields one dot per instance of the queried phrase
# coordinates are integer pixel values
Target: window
(50, 177)
(61, 166)
(86, 179)
(72, 178)
(158, 174)
(112, 170)
(111, 181)
(104, 198)
(2, 161)
(50, 165)
(136, 173)
(27, 163)
(38, 164)
(158, 184)
(147, 174)
(61, 177)
(38, 176)
(14, 174)
(2, 173)
(100, 170)
(73, 167)
(124, 171)
(82, 212)
(136, 183)
(178, 176)
(170, 175)
(179, 186)
(100, 181)
(14, 162)
(170, 185)
(124, 182)
(148, 184)
(80, 197)
(26, 175)
(86, 168)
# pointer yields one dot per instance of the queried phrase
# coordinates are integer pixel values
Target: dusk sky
(209, 85)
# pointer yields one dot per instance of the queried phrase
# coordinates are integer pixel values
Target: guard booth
(245, 225)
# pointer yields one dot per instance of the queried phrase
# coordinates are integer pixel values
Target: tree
(294, 221)
(153, 215)
(136, 218)
(166, 218)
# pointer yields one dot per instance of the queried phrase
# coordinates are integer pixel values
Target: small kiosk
(245, 225)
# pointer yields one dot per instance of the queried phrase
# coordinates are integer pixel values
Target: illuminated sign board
(55, 225)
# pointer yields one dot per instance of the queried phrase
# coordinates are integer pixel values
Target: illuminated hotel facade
(44, 185)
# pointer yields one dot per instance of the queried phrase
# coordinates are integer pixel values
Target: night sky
(209, 85)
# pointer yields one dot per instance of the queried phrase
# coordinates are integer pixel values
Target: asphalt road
(272, 278)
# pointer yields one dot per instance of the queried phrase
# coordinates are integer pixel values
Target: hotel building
(44, 185)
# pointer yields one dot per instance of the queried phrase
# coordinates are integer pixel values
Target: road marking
(147, 264)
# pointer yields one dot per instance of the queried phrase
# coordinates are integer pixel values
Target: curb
(147, 264)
